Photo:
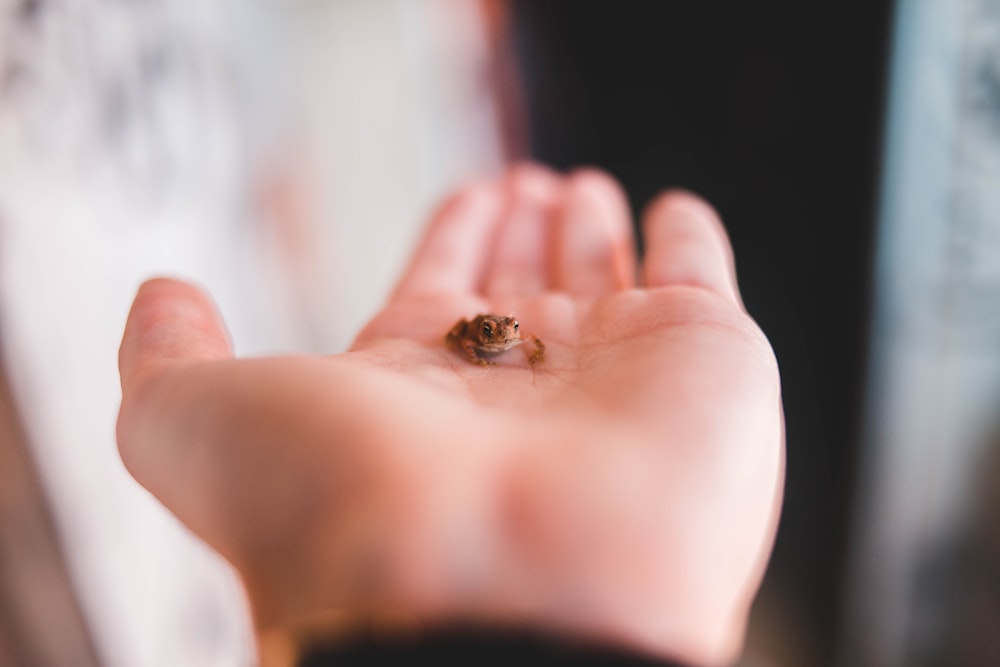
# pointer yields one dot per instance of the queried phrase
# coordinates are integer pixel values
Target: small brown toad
(488, 336)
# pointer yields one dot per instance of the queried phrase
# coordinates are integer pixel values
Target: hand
(625, 488)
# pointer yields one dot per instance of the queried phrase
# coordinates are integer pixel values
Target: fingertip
(595, 188)
(687, 244)
(681, 196)
(534, 180)
(594, 180)
(475, 195)
(679, 201)
(166, 287)
(170, 320)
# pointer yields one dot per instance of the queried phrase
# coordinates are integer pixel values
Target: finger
(170, 321)
(519, 262)
(171, 327)
(451, 256)
(594, 249)
(686, 244)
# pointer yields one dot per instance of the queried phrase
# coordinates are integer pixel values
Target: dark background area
(771, 110)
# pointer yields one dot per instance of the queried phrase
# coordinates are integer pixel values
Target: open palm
(625, 488)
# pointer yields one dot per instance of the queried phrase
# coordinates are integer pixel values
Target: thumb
(173, 332)
(170, 321)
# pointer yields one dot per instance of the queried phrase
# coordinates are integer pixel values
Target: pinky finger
(686, 244)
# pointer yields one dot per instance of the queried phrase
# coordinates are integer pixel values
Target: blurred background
(285, 154)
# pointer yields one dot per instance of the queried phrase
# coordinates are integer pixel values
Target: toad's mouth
(497, 347)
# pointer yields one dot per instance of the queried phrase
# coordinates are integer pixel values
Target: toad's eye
(516, 325)
(487, 330)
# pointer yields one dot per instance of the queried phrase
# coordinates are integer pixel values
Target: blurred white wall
(284, 155)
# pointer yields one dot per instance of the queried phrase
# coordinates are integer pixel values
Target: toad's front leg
(539, 352)
(469, 347)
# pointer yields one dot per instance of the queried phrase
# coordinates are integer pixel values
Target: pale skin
(624, 489)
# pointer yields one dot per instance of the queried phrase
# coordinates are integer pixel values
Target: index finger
(452, 255)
